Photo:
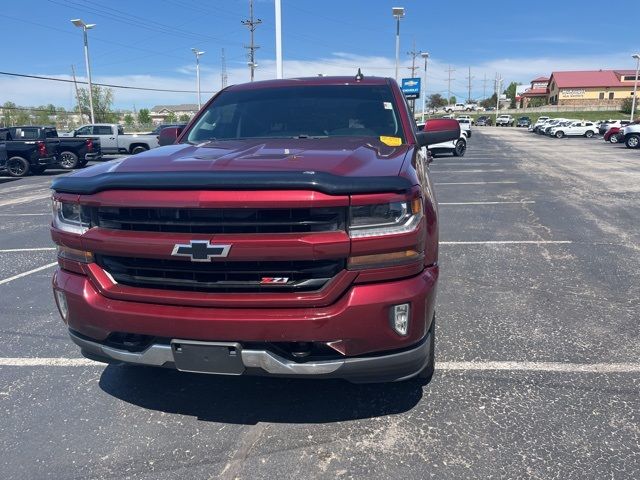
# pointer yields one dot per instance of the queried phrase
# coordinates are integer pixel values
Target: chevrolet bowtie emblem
(200, 250)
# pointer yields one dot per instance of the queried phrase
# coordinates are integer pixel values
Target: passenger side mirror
(169, 135)
(438, 130)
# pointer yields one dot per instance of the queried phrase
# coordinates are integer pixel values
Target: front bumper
(395, 366)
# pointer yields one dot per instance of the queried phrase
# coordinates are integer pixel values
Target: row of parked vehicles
(33, 149)
(613, 131)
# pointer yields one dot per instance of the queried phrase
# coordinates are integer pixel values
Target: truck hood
(347, 156)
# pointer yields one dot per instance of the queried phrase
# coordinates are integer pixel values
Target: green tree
(8, 112)
(436, 101)
(171, 118)
(510, 92)
(143, 117)
(128, 120)
(626, 105)
(489, 102)
(42, 116)
(102, 103)
(453, 99)
(184, 117)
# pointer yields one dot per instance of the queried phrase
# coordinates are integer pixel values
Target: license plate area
(222, 358)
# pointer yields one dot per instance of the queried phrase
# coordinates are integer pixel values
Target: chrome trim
(272, 363)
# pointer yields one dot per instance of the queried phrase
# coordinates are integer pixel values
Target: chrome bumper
(392, 367)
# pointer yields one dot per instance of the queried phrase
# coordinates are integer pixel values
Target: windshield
(300, 112)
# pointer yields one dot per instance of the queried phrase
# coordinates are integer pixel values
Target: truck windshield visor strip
(198, 180)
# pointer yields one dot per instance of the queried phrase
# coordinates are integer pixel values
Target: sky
(148, 43)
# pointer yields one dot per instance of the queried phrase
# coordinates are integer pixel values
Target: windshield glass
(300, 112)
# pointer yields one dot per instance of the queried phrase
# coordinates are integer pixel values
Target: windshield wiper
(309, 136)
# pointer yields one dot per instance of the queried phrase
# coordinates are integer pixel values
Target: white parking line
(24, 214)
(486, 203)
(39, 249)
(510, 242)
(469, 171)
(476, 183)
(469, 164)
(546, 367)
(24, 274)
(28, 198)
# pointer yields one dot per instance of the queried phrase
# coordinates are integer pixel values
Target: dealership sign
(573, 93)
(411, 88)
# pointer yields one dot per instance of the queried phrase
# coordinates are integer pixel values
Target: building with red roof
(591, 87)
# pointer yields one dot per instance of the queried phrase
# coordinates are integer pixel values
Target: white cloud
(521, 69)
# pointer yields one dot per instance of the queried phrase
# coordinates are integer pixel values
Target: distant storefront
(591, 88)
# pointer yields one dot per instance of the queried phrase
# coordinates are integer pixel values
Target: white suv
(587, 129)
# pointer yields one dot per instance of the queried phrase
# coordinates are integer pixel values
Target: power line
(109, 85)
(484, 87)
(413, 54)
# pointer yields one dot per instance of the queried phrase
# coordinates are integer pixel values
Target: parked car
(484, 121)
(461, 107)
(465, 126)
(70, 152)
(114, 140)
(572, 129)
(467, 118)
(614, 135)
(504, 121)
(457, 147)
(267, 242)
(523, 122)
(539, 122)
(159, 128)
(631, 134)
(26, 155)
(606, 125)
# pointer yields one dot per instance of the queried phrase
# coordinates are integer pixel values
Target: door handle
(112, 138)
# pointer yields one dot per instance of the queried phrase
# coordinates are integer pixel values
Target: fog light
(61, 301)
(400, 318)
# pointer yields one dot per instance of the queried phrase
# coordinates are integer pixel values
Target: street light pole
(278, 12)
(635, 86)
(398, 13)
(198, 53)
(424, 55)
(79, 23)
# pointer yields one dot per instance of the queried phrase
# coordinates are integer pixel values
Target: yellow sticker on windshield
(391, 141)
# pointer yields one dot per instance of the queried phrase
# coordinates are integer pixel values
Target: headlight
(385, 218)
(70, 217)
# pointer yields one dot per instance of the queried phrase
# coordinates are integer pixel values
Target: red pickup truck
(291, 230)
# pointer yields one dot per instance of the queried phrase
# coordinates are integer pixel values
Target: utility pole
(498, 88)
(223, 71)
(278, 15)
(469, 78)
(251, 24)
(75, 84)
(484, 87)
(413, 54)
(450, 70)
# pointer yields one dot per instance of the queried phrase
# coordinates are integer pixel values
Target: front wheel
(559, 134)
(460, 148)
(138, 149)
(68, 160)
(588, 134)
(633, 141)
(613, 138)
(17, 167)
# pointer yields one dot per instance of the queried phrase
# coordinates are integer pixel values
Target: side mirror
(438, 131)
(169, 135)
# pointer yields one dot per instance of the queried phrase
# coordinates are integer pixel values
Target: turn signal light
(383, 259)
(75, 255)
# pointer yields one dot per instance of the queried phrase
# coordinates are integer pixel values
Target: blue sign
(411, 88)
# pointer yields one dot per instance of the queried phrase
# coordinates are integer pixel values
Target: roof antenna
(359, 75)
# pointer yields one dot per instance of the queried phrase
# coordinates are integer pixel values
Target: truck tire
(138, 149)
(68, 160)
(633, 141)
(460, 148)
(588, 133)
(427, 372)
(17, 167)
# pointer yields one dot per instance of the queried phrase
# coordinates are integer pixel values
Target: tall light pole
(278, 8)
(198, 53)
(635, 85)
(398, 13)
(87, 26)
(424, 55)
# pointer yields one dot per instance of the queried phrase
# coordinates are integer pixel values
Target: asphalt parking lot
(538, 346)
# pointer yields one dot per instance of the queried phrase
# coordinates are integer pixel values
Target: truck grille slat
(212, 220)
(220, 277)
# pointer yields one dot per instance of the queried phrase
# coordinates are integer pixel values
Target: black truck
(69, 153)
(24, 156)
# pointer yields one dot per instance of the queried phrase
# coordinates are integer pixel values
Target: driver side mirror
(438, 130)
(169, 135)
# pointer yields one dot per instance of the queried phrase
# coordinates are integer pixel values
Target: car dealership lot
(538, 373)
